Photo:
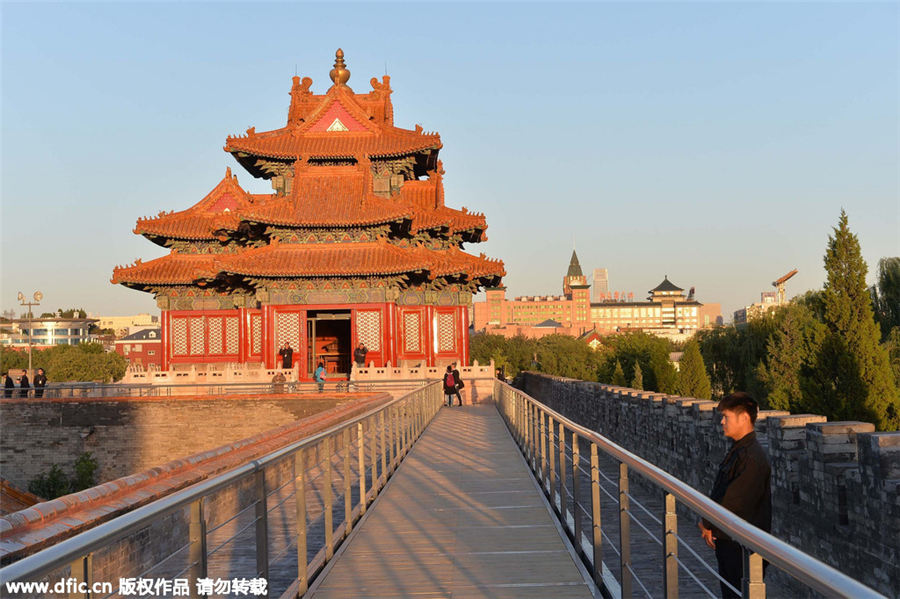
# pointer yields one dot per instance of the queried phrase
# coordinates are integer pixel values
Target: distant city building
(125, 325)
(45, 332)
(601, 284)
(667, 312)
(768, 300)
(142, 348)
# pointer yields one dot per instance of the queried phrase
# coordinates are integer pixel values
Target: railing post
(395, 437)
(361, 463)
(384, 447)
(300, 500)
(82, 572)
(262, 526)
(542, 417)
(753, 585)
(373, 450)
(328, 501)
(197, 536)
(526, 424)
(670, 549)
(576, 489)
(551, 455)
(348, 487)
(596, 517)
(562, 476)
(624, 533)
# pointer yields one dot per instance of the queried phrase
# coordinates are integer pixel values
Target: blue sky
(712, 142)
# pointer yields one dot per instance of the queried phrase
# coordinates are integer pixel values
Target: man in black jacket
(40, 381)
(743, 485)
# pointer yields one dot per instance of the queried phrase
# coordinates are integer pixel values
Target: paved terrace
(462, 517)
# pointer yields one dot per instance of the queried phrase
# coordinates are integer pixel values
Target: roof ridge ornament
(340, 75)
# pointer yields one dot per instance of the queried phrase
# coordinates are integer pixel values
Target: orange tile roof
(375, 258)
(283, 143)
(371, 131)
(338, 197)
(217, 211)
(324, 259)
(172, 269)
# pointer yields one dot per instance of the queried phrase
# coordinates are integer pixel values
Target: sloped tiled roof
(172, 269)
(666, 285)
(216, 211)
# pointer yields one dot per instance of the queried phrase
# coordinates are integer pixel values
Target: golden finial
(340, 75)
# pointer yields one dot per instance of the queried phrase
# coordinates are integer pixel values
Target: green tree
(514, 353)
(567, 356)
(52, 484)
(638, 381)
(618, 377)
(851, 378)
(791, 350)
(70, 363)
(692, 378)
(886, 295)
(650, 351)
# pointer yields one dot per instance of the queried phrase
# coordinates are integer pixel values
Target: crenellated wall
(835, 485)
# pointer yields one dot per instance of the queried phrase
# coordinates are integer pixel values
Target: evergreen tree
(692, 378)
(792, 349)
(618, 378)
(638, 381)
(851, 378)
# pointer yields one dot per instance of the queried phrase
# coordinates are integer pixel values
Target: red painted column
(243, 336)
(429, 335)
(164, 338)
(464, 340)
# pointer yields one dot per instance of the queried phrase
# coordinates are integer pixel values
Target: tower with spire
(355, 245)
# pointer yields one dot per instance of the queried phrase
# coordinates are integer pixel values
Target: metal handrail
(83, 544)
(802, 566)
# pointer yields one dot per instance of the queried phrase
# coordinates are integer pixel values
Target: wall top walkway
(458, 520)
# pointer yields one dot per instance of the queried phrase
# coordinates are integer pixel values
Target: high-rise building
(355, 245)
(601, 284)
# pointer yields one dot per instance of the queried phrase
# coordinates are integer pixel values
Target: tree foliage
(618, 376)
(791, 351)
(637, 382)
(650, 351)
(56, 483)
(692, 378)
(851, 378)
(886, 295)
(70, 363)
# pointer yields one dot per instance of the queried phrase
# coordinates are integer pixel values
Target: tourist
(9, 385)
(278, 382)
(743, 486)
(359, 355)
(459, 382)
(287, 356)
(40, 381)
(24, 385)
(450, 389)
(319, 376)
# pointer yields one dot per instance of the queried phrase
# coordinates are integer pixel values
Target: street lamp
(38, 296)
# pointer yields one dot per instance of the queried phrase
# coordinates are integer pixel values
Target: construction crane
(779, 285)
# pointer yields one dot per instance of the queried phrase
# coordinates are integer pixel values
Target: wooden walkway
(461, 518)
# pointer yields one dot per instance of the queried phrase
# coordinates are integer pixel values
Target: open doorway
(328, 335)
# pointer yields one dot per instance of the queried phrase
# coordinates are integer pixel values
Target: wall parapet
(835, 485)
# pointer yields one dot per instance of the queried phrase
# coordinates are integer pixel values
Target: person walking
(459, 383)
(9, 385)
(450, 386)
(40, 381)
(742, 485)
(319, 376)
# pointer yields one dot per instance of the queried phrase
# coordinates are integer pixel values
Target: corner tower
(354, 245)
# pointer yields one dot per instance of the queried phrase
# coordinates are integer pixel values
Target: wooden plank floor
(461, 518)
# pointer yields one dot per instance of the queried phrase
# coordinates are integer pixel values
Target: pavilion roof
(172, 269)
(277, 260)
(338, 124)
(217, 211)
